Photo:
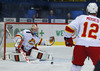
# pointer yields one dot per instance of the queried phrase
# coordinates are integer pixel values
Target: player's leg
(17, 56)
(33, 53)
(38, 54)
(79, 56)
(27, 52)
(94, 54)
(97, 66)
(14, 56)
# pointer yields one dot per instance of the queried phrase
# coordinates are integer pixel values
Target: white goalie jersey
(29, 40)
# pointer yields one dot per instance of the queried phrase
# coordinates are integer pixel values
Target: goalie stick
(22, 52)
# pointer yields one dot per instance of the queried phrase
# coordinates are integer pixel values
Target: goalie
(27, 41)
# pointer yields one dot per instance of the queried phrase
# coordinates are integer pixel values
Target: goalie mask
(34, 29)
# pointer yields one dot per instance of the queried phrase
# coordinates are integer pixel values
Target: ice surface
(62, 61)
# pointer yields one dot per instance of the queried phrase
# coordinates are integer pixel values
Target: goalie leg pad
(46, 56)
(37, 54)
(15, 57)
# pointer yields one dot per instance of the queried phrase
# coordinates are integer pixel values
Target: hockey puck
(51, 62)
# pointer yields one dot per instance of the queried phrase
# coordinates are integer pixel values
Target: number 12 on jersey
(92, 30)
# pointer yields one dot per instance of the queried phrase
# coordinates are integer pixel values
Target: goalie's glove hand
(68, 41)
(18, 43)
(50, 41)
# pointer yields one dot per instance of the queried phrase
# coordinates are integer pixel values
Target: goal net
(45, 31)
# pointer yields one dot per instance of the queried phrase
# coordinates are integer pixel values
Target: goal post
(45, 30)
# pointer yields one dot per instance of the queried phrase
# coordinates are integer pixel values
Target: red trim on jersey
(40, 41)
(20, 44)
(69, 29)
(19, 36)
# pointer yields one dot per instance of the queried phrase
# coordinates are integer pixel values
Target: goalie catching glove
(18, 43)
(50, 41)
(68, 41)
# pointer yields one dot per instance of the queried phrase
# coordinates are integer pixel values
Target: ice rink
(62, 61)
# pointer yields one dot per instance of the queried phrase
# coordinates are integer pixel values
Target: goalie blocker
(35, 54)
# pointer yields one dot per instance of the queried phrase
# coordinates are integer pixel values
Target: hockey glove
(68, 41)
(50, 41)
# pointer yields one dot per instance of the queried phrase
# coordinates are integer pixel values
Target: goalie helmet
(34, 29)
(92, 8)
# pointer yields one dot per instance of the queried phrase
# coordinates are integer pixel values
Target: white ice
(62, 61)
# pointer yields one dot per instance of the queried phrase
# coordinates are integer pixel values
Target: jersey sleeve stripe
(69, 29)
(19, 36)
(40, 41)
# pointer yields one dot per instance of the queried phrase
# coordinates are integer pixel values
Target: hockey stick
(22, 52)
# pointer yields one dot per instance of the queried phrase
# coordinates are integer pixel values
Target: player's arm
(19, 40)
(48, 42)
(68, 36)
(69, 30)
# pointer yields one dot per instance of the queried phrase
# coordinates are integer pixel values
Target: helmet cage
(34, 29)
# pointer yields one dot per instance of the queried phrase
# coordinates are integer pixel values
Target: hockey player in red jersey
(88, 39)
